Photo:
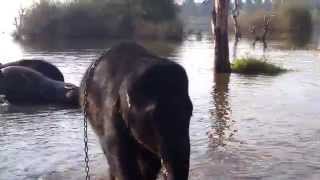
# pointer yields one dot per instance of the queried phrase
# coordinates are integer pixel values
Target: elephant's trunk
(175, 154)
(175, 142)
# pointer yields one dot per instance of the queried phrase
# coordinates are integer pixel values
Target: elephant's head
(158, 111)
(71, 95)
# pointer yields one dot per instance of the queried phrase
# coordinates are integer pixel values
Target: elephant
(139, 106)
(22, 85)
(44, 67)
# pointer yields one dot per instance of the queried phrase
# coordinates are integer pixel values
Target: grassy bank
(96, 19)
(255, 66)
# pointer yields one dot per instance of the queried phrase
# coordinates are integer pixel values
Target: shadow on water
(221, 115)
(162, 47)
(34, 109)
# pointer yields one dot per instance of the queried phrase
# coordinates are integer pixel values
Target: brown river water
(243, 127)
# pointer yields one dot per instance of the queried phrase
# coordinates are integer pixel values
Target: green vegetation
(98, 18)
(255, 66)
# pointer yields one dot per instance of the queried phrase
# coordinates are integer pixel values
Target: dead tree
(263, 37)
(220, 29)
(253, 30)
(266, 30)
(235, 15)
(237, 33)
(18, 21)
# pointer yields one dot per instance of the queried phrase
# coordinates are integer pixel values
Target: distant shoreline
(98, 19)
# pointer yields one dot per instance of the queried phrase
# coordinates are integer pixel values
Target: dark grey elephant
(22, 85)
(44, 67)
(139, 106)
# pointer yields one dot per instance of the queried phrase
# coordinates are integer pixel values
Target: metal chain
(86, 149)
(85, 113)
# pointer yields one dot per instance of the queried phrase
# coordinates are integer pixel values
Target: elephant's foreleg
(149, 163)
(121, 150)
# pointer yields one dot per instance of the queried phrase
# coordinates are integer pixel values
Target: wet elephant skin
(23, 85)
(139, 106)
(44, 67)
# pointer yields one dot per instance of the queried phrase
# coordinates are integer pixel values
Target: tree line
(97, 18)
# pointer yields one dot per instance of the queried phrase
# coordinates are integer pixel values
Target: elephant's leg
(111, 170)
(121, 150)
(150, 164)
(111, 176)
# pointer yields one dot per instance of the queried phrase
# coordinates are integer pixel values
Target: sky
(9, 11)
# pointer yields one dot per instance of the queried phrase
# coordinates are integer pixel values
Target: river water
(243, 127)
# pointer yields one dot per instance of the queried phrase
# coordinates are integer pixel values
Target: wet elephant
(41, 66)
(139, 106)
(22, 85)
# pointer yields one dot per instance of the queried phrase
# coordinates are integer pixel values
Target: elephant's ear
(1, 75)
(140, 103)
(150, 107)
(128, 100)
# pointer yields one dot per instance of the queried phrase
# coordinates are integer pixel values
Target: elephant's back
(44, 67)
(23, 84)
(121, 63)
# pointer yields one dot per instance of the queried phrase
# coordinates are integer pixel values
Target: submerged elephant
(44, 67)
(24, 85)
(139, 106)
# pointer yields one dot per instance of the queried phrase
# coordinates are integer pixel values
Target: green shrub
(255, 66)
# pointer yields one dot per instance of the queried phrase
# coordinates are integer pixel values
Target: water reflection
(34, 109)
(166, 49)
(221, 114)
(235, 48)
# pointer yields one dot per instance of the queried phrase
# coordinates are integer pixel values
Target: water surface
(243, 127)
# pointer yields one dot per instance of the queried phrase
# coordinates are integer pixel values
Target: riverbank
(97, 19)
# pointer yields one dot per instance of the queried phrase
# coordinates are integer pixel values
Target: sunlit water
(243, 127)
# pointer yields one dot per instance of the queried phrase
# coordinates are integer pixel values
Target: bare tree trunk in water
(266, 29)
(237, 33)
(263, 38)
(220, 23)
(235, 15)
